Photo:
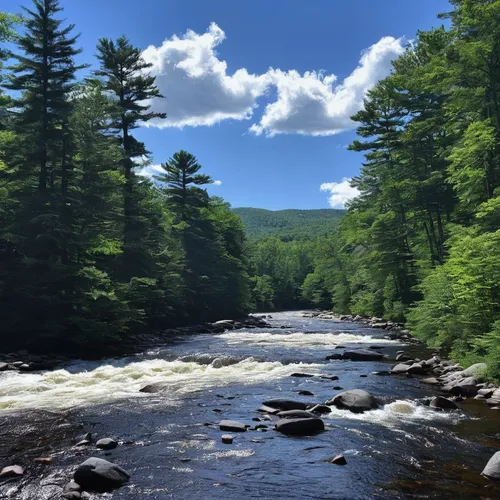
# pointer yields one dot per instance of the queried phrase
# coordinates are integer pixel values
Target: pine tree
(124, 72)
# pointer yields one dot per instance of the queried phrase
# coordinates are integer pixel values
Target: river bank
(170, 441)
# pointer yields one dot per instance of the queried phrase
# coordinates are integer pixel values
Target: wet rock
(152, 388)
(402, 357)
(43, 460)
(3, 367)
(285, 404)
(332, 357)
(25, 367)
(492, 469)
(401, 368)
(339, 460)
(295, 414)
(379, 325)
(268, 409)
(227, 439)
(338, 388)
(430, 381)
(305, 393)
(485, 393)
(362, 355)
(17, 364)
(356, 400)
(416, 369)
(83, 442)
(300, 426)
(106, 444)
(321, 409)
(466, 387)
(376, 347)
(329, 377)
(12, 471)
(443, 403)
(301, 375)
(363, 376)
(96, 474)
(232, 426)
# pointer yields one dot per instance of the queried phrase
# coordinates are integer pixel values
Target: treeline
(89, 250)
(422, 241)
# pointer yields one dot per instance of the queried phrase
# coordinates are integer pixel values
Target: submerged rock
(305, 393)
(443, 403)
(96, 474)
(492, 469)
(232, 426)
(106, 444)
(300, 426)
(295, 414)
(356, 400)
(285, 404)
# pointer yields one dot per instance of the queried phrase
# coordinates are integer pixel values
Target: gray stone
(430, 381)
(321, 409)
(362, 355)
(356, 400)
(12, 471)
(339, 460)
(300, 426)
(232, 426)
(3, 367)
(492, 469)
(301, 375)
(443, 403)
(72, 486)
(400, 368)
(295, 414)
(227, 439)
(106, 444)
(268, 409)
(96, 474)
(416, 369)
(285, 404)
(477, 371)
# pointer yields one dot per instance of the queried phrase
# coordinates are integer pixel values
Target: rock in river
(358, 355)
(96, 474)
(295, 414)
(492, 469)
(227, 439)
(12, 471)
(300, 426)
(106, 444)
(356, 401)
(285, 404)
(232, 426)
(443, 403)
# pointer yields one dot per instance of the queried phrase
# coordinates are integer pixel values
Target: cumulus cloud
(217, 183)
(198, 89)
(340, 192)
(312, 103)
(150, 171)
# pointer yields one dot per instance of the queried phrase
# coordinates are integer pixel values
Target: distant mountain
(289, 224)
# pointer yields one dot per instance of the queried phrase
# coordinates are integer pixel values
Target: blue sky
(250, 84)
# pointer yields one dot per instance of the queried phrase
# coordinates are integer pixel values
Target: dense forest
(89, 250)
(422, 241)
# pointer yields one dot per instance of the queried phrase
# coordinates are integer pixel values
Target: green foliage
(90, 252)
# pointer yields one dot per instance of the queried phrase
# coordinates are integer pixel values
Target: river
(171, 445)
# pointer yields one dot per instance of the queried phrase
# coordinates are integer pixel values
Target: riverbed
(171, 444)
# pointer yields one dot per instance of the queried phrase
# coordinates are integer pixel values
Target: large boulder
(232, 426)
(285, 404)
(494, 398)
(401, 368)
(300, 426)
(106, 444)
(443, 403)
(355, 400)
(295, 414)
(362, 355)
(466, 387)
(417, 369)
(96, 474)
(492, 469)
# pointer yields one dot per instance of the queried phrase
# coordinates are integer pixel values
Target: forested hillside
(289, 224)
(422, 241)
(90, 251)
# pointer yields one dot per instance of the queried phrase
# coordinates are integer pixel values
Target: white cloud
(199, 90)
(150, 171)
(311, 104)
(340, 192)
(217, 183)
(195, 82)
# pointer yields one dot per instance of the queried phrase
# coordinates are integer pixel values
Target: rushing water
(171, 444)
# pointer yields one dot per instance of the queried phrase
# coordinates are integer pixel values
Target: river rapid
(171, 444)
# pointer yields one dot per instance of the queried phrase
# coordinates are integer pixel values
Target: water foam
(62, 389)
(293, 340)
(394, 414)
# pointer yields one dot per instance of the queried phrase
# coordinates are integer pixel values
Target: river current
(170, 441)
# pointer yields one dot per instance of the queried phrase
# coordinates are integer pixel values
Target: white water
(393, 414)
(62, 389)
(294, 340)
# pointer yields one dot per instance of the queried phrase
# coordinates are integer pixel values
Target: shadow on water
(170, 441)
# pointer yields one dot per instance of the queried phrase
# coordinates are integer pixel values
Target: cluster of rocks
(24, 361)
